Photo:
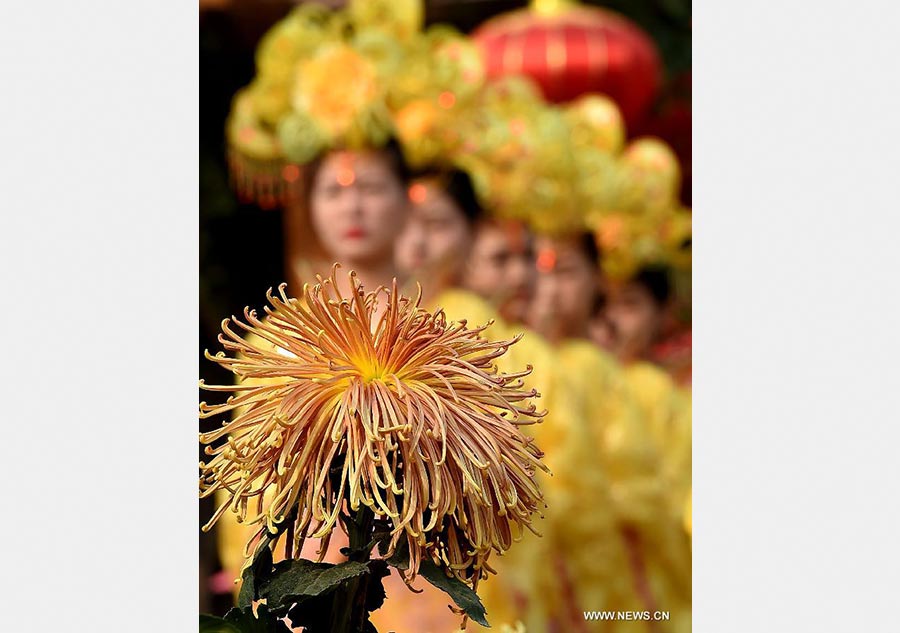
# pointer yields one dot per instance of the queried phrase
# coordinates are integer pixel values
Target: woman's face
(357, 205)
(636, 319)
(436, 239)
(500, 268)
(566, 291)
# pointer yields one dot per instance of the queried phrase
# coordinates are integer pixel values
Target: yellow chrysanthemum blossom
(405, 414)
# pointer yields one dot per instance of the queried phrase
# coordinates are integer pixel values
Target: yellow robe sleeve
(667, 410)
(620, 432)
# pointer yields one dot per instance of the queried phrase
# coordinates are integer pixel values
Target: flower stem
(349, 614)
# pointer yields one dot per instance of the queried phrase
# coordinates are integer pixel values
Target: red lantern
(569, 50)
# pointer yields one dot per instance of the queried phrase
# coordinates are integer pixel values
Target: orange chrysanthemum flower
(405, 414)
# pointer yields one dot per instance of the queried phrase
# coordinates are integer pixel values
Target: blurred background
(241, 249)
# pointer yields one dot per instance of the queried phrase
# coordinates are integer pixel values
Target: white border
(795, 316)
(99, 243)
(795, 378)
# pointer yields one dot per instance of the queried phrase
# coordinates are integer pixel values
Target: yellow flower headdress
(516, 149)
(629, 242)
(322, 81)
(652, 177)
(638, 220)
(432, 95)
(555, 168)
(545, 196)
(596, 122)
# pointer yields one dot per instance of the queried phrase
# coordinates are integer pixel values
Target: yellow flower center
(369, 369)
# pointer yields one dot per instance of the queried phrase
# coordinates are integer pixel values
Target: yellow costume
(665, 545)
(667, 409)
(608, 541)
(617, 441)
(517, 593)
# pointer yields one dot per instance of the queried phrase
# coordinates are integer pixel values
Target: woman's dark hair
(655, 278)
(397, 161)
(599, 303)
(589, 247)
(392, 150)
(458, 185)
(588, 244)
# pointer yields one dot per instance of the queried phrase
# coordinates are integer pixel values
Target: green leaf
(212, 624)
(317, 613)
(259, 571)
(462, 594)
(243, 621)
(295, 579)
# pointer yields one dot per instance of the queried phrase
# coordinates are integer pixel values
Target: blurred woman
(568, 286)
(435, 242)
(500, 267)
(637, 311)
(449, 242)
(643, 423)
(355, 203)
